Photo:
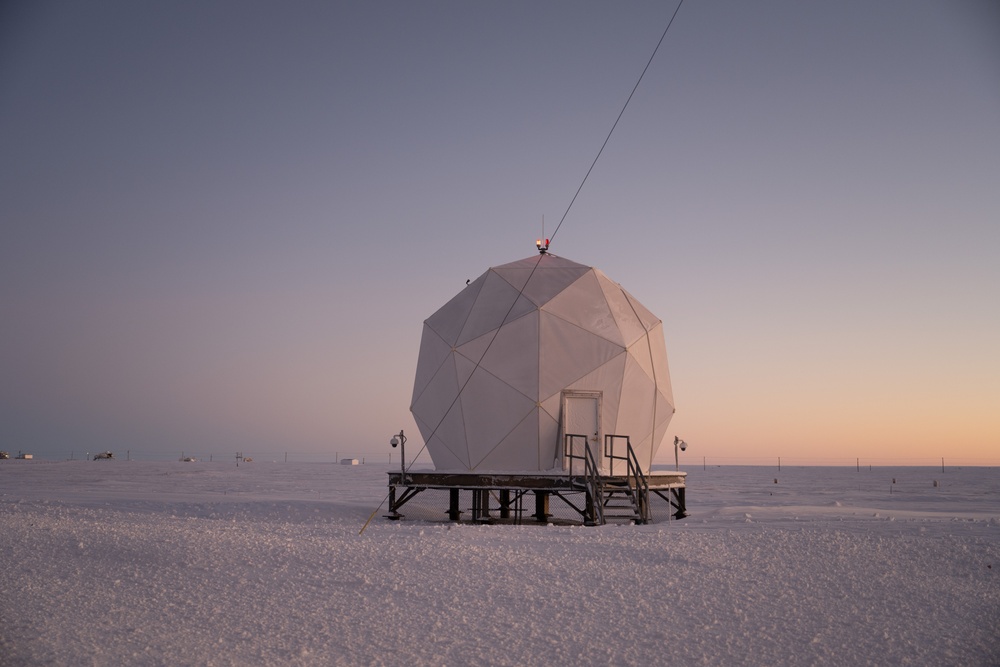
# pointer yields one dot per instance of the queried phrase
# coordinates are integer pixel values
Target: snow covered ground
(117, 562)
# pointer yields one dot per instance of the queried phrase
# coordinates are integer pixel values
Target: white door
(581, 415)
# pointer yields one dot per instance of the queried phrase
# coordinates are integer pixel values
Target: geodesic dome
(532, 350)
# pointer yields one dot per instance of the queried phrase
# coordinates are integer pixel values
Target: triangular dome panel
(511, 354)
(583, 304)
(446, 443)
(635, 416)
(474, 349)
(648, 319)
(548, 441)
(664, 409)
(492, 409)
(441, 391)
(444, 459)
(517, 451)
(433, 352)
(664, 413)
(625, 316)
(552, 405)
(658, 349)
(568, 353)
(548, 275)
(541, 261)
(498, 303)
(449, 319)
(463, 371)
(640, 353)
(547, 283)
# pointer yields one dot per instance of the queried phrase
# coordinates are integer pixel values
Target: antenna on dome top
(543, 247)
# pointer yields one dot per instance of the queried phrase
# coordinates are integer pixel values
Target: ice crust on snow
(209, 564)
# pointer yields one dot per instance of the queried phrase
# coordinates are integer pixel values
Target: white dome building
(531, 351)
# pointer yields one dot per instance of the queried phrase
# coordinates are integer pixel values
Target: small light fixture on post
(679, 446)
(543, 246)
(400, 440)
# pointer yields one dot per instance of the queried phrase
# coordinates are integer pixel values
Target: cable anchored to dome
(620, 114)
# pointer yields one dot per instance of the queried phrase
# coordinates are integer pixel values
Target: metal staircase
(630, 496)
(613, 497)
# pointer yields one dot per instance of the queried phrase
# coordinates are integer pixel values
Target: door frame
(568, 395)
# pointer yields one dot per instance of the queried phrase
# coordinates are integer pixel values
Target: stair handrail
(634, 475)
(591, 477)
(642, 483)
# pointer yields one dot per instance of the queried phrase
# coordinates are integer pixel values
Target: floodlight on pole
(679, 446)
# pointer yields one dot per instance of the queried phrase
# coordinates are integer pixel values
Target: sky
(223, 223)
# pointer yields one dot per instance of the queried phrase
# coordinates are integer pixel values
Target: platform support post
(680, 504)
(484, 504)
(504, 503)
(454, 513)
(542, 506)
(393, 514)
